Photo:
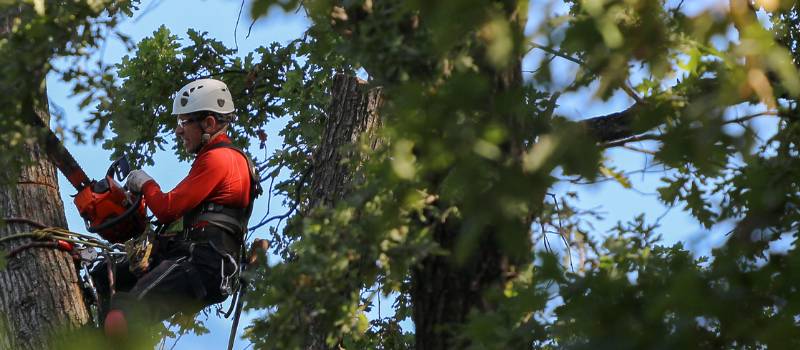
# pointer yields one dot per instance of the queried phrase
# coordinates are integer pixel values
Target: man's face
(190, 132)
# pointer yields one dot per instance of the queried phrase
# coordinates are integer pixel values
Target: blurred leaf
(618, 176)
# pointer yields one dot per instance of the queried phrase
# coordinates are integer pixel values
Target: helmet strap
(206, 137)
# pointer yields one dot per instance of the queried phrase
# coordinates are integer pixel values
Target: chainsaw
(103, 204)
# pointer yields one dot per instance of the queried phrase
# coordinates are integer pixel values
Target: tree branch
(628, 90)
(614, 127)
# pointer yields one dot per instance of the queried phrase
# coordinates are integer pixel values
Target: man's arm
(205, 175)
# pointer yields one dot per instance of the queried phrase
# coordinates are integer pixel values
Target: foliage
(473, 151)
(34, 33)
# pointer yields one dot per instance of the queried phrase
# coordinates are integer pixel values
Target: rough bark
(39, 289)
(352, 115)
(612, 127)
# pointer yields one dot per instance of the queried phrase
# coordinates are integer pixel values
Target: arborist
(196, 267)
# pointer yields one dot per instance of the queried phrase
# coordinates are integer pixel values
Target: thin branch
(557, 53)
(628, 90)
(743, 119)
(577, 180)
(150, 7)
(180, 335)
(640, 150)
(678, 8)
(294, 206)
(561, 232)
(236, 27)
(632, 94)
(250, 29)
(622, 142)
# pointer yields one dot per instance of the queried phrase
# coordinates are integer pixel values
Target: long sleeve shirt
(220, 175)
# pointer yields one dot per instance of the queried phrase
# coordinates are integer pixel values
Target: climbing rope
(56, 238)
(86, 251)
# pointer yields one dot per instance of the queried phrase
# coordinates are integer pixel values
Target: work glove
(136, 179)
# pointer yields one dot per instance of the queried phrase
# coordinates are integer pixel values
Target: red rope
(59, 244)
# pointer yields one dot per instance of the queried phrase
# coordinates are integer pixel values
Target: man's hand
(136, 179)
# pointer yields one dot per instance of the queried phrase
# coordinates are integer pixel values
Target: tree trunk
(39, 288)
(351, 116)
(443, 291)
(446, 290)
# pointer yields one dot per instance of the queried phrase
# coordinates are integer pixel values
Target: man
(197, 267)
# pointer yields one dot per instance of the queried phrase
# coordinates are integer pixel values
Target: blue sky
(218, 18)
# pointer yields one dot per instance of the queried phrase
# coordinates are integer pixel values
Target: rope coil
(50, 237)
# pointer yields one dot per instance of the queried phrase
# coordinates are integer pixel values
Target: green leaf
(620, 177)
(259, 8)
(693, 62)
(669, 194)
(698, 206)
(363, 323)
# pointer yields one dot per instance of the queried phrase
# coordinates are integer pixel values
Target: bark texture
(39, 289)
(612, 127)
(352, 115)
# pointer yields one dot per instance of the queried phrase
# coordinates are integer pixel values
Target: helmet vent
(184, 101)
(220, 102)
(186, 93)
(224, 89)
(191, 90)
(199, 87)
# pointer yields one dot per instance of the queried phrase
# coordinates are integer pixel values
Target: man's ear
(209, 124)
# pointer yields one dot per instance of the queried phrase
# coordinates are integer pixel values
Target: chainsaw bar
(61, 157)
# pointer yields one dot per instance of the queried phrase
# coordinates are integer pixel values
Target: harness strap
(226, 217)
(223, 239)
(230, 218)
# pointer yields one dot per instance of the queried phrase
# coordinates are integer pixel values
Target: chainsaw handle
(115, 220)
(120, 167)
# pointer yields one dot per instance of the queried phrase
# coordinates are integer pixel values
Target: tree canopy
(474, 147)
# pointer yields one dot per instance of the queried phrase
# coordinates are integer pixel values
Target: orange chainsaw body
(105, 200)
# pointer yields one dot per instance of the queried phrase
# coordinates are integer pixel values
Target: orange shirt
(220, 176)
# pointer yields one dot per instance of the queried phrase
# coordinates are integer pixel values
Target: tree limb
(614, 127)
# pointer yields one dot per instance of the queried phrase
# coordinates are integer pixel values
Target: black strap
(220, 238)
(227, 217)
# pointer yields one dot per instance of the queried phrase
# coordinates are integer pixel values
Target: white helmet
(203, 95)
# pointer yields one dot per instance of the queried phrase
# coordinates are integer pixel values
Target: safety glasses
(183, 122)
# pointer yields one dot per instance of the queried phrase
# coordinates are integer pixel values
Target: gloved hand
(136, 179)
